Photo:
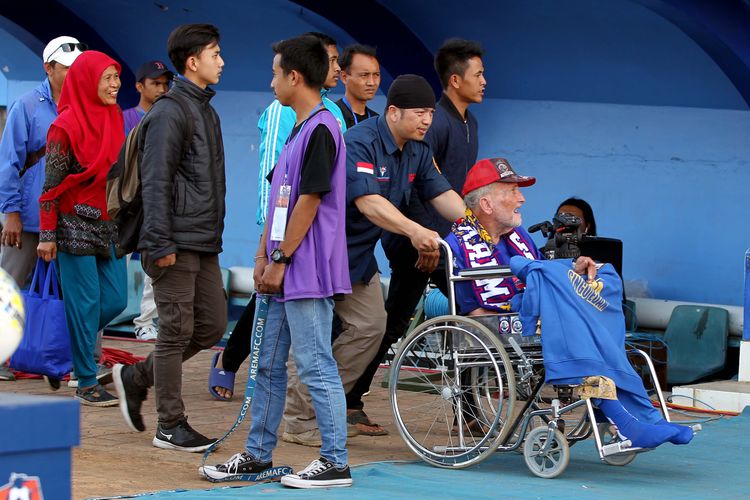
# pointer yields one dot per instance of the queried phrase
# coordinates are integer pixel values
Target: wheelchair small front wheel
(546, 460)
(608, 435)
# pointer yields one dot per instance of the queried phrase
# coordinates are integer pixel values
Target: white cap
(54, 51)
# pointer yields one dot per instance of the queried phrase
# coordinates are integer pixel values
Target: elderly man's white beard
(511, 222)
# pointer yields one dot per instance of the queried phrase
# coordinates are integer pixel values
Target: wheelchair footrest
(619, 447)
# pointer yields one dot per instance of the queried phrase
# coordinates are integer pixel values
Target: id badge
(278, 225)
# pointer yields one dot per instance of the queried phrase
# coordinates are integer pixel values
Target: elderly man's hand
(587, 266)
(428, 261)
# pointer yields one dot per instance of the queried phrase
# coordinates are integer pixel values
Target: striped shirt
(275, 125)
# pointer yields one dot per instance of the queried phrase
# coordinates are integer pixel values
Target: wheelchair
(462, 388)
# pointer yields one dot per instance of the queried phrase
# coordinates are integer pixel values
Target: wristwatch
(278, 256)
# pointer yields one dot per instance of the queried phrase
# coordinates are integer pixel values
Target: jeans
(305, 325)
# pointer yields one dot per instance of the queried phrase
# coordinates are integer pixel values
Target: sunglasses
(68, 47)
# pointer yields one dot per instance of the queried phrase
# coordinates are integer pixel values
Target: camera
(563, 235)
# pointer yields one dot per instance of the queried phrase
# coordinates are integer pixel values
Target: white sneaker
(319, 474)
(146, 332)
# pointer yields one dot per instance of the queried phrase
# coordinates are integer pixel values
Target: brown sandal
(361, 421)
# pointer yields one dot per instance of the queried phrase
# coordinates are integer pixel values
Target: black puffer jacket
(183, 186)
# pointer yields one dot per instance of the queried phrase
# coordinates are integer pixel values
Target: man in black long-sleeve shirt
(454, 142)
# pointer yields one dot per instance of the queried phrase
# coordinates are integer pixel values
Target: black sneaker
(131, 398)
(238, 464)
(319, 474)
(95, 396)
(54, 383)
(181, 437)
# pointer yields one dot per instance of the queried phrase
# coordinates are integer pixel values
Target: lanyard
(349, 107)
(294, 142)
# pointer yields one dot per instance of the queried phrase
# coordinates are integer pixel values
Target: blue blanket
(583, 328)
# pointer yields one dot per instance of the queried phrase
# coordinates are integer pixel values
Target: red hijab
(95, 129)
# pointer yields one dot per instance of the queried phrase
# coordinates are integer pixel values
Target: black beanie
(410, 91)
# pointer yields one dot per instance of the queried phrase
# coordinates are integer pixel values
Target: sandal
(219, 377)
(473, 428)
(361, 421)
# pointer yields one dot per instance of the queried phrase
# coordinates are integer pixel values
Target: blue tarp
(714, 465)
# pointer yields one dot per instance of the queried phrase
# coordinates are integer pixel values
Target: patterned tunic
(77, 228)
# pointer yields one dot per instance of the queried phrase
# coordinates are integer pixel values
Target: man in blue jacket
(22, 151)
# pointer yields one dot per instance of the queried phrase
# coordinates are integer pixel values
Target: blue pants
(95, 292)
(305, 325)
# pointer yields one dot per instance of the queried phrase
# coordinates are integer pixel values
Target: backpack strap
(188, 117)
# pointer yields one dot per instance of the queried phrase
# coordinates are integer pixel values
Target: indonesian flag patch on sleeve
(365, 168)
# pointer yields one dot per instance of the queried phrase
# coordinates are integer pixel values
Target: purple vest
(320, 265)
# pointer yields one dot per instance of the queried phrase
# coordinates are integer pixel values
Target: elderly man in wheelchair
(470, 370)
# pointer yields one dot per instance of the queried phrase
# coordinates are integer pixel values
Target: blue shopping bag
(45, 347)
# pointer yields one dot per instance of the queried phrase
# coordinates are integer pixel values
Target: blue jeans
(305, 325)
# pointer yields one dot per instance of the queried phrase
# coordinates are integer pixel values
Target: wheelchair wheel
(547, 463)
(608, 435)
(431, 391)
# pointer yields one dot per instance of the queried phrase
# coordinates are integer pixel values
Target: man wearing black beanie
(453, 138)
(386, 160)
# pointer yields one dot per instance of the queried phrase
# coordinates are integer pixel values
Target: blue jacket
(29, 118)
(583, 328)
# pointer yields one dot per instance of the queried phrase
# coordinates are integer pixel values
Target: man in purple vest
(304, 236)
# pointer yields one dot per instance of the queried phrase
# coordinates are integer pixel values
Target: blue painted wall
(670, 182)
(629, 104)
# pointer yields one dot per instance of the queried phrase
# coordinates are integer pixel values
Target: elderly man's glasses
(68, 47)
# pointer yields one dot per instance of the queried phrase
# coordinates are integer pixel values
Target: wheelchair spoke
(439, 414)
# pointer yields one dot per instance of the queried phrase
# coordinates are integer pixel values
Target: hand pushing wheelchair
(455, 384)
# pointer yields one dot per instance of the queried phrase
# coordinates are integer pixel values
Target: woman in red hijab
(82, 144)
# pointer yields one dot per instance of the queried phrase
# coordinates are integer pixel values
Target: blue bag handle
(51, 279)
(39, 278)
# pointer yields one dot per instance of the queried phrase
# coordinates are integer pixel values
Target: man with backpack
(181, 161)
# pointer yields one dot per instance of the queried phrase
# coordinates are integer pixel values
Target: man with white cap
(22, 151)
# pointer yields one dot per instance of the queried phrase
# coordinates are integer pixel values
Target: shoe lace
(185, 425)
(234, 462)
(315, 467)
(95, 391)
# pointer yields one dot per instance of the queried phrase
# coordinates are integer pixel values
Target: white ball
(12, 316)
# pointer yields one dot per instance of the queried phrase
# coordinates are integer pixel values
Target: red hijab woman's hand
(47, 250)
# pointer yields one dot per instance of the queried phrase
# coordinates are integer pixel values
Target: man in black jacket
(183, 187)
